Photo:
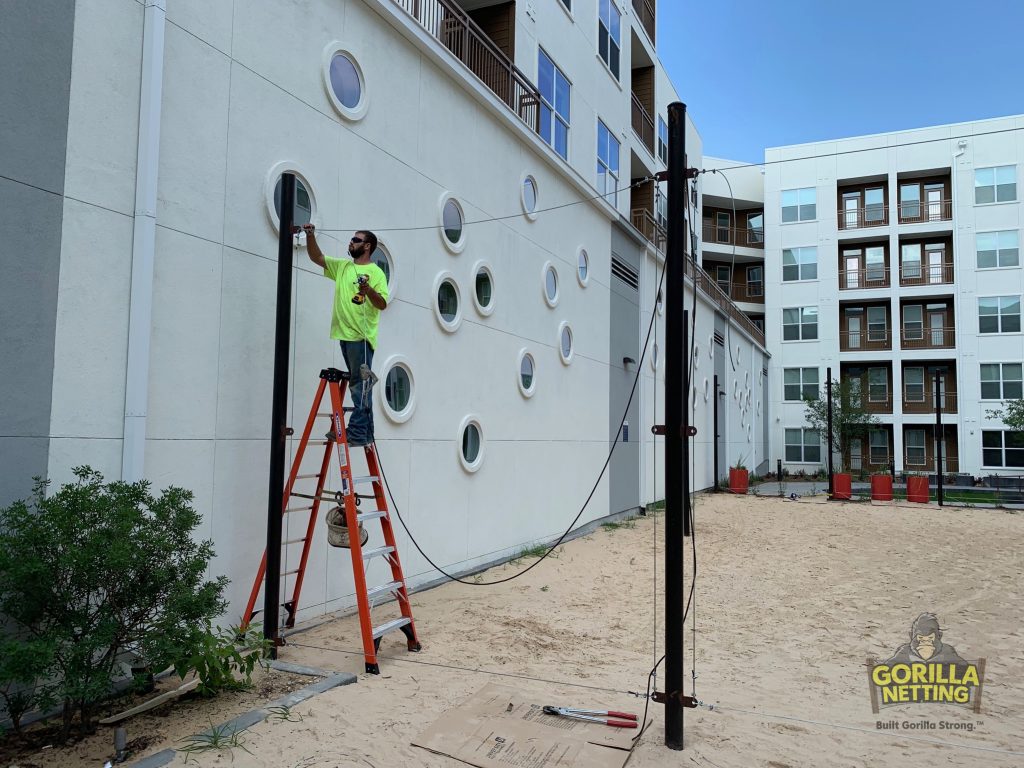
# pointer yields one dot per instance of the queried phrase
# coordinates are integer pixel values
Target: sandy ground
(791, 599)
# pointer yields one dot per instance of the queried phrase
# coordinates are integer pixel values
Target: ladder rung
(383, 629)
(365, 479)
(345, 409)
(297, 509)
(391, 586)
(368, 553)
(306, 477)
(374, 515)
(289, 573)
(292, 541)
(332, 499)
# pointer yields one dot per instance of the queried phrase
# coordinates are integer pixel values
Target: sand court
(792, 598)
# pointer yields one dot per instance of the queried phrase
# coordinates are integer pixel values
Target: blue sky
(763, 73)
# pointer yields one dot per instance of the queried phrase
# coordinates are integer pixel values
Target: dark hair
(370, 238)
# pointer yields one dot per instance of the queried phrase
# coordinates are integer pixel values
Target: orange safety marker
(335, 382)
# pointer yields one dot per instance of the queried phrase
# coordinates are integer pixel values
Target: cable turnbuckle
(662, 697)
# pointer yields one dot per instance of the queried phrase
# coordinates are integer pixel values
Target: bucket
(881, 488)
(842, 486)
(917, 489)
(738, 480)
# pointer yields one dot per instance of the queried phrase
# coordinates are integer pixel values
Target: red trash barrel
(842, 486)
(917, 489)
(739, 480)
(881, 487)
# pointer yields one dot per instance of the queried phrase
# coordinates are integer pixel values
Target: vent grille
(719, 339)
(626, 273)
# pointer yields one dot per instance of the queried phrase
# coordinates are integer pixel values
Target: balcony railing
(860, 340)
(456, 31)
(916, 401)
(917, 337)
(916, 273)
(869, 216)
(649, 227)
(923, 212)
(749, 292)
(926, 465)
(646, 224)
(747, 238)
(865, 277)
(645, 12)
(643, 124)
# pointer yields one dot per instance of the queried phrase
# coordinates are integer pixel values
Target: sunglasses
(358, 240)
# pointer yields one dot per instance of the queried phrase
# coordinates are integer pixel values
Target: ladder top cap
(334, 374)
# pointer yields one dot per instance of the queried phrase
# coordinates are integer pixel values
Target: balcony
(706, 283)
(455, 30)
(649, 227)
(918, 399)
(914, 273)
(916, 337)
(858, 218)
(643, 124)
(645, 13)
(917, 212)
(752, 293)
(863, 278)
(745, 238)
(860, 340)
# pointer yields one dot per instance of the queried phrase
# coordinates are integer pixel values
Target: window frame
(603, 163)
(1002, 448)
(1000, 315)
(662, 140)
(997, 251)
(800, 263)
(604, 35)
(872, 433)
(805, 445)
(801, 323)
(565, 119)
(802, 384)
(995, 185)
(800, 204)
(1002, 380)
(923, 447)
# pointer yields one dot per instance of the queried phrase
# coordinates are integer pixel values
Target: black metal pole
(828, 387)
(938, 438)
(278, 425)
(714, 416)
(677, 358)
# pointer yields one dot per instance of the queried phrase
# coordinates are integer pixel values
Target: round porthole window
(654, 356)
(452, 224)
(527, 373)
(382, 258)
(471, 444)
(707, 389)
(483, 289)
(550, 284)
(660, 303)
(399, 399)
(529, 197)
(304, 210)
(583, 267)
(344, 83)
(447, 302)
(565, 342)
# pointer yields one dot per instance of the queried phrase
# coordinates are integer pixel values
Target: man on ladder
(360, 295)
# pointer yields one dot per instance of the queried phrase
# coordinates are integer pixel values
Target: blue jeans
(360, 423)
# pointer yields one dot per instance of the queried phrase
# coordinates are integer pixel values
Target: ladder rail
(308, 544)
(397, 574)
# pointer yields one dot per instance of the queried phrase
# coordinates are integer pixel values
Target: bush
(222, 656)
(92, 574)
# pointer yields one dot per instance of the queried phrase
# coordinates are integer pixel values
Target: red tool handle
(620, 723)
(622, 715)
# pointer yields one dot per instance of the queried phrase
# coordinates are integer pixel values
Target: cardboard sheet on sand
(499, 727)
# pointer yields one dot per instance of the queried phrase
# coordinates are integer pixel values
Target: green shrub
(91, 574)
(225, 659)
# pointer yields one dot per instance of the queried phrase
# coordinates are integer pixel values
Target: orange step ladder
(336, 382)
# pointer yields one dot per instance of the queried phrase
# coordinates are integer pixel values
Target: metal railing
(914, 402)
(747, 238)
(868, 216)
(457, 32)
(876, 404)
(647, 225)
(921, 212)
(645, 12)
(643, 123)
(749, 292)
(949, 463)
(864, 277)
(864, 339)
(920, 337)
(916, 273)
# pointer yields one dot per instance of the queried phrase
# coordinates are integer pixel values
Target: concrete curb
(252, 717)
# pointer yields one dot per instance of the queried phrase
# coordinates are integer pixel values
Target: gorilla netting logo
(926, 671)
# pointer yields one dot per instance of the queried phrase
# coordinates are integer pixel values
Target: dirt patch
(161, 728)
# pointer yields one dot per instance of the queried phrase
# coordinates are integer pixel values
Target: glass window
(662, 140)
(448, 301)
(874, 264)
(398, 388)
(583, 266)
(800, 384)
(755, 228)
(1002, 449)
(607, 164)
(529, 194)
(913, 321)
(998, 249)
(723, 223)
(878, 439)
(722, 278)
(382, 259)
(451, 218)
(910, 201)
(608, 33)
(526, 372)
(803, 445)
(878, 326)
(999, 314)
(799, 204)
(345, 81)
(878, 385)
(755, 282)
(1001, 381)
(567, 4)
(800, 264)
(995, 185)
(303, 210)
(555, 95)
(565, 343)
(551, 284)
(471, 443)
(800, 324)
(484, 288)
(874, 205)
(910, 261)
(914, 439)
(913, 384)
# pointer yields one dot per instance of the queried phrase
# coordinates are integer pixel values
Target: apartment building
(894, 260)
(141, 184)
